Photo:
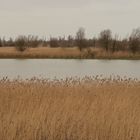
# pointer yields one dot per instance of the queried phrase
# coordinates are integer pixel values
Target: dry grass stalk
(70, 109)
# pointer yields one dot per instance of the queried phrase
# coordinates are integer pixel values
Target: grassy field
(70, 109)
(47, 52)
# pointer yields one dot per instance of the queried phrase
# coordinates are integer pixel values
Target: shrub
(21, 43)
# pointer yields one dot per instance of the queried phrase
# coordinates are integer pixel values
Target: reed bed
(70, 109)
(40, 52)
(66, 53)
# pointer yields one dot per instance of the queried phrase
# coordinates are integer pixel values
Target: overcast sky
(63, 17)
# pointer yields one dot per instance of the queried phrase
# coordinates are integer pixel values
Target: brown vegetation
(70, 109)
(39, 52)
(69, 52)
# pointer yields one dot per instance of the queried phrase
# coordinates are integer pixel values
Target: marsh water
(61, 68)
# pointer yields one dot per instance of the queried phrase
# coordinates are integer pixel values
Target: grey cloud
(43, 3)
(59, 17)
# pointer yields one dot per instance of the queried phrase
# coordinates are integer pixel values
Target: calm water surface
(60, 68)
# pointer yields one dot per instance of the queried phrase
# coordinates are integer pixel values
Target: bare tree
(62, 41)
(114, 43)
(53, 42)
(70, 41)
(21, 43)
(94, 41)
(33, 41)
(3, 42)
(0, 42)
(105, 39)
(80, 38)
(134, 40)
(10, 42)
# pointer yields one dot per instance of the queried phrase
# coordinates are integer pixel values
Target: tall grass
(70, 109)
(71, 52)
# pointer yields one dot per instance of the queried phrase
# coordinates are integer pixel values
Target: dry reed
(74, 52)
(71, 109)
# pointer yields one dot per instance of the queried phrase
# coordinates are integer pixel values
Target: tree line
(104, 40)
